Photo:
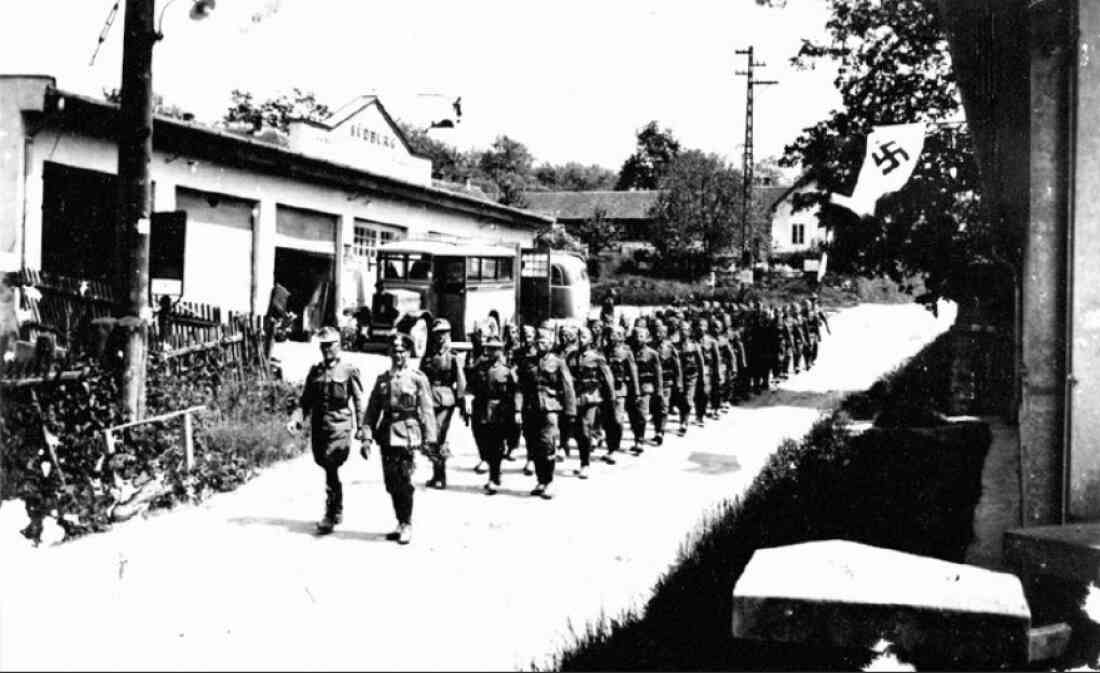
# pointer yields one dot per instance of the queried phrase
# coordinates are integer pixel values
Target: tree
(895, 67)
(507, 163)
(697, 215)
(573, 177)
(160, 106)
(557, 237)
(656, 151)
(273, 113)
(597, 233)
(448, 162)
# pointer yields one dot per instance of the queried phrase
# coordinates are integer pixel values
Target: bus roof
(447, 249)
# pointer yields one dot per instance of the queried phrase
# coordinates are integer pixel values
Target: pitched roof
(619, 205)
(581, 205)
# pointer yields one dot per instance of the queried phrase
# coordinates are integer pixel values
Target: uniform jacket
(592, 378)
(496, 392)
(650, 373)
(624, 370)
(691, 363)
(712, 359)
(673, 375)
(331, 397)
(400, 411)
(546, 385)
(446, 377)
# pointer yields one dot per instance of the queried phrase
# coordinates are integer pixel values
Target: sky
(572, 79)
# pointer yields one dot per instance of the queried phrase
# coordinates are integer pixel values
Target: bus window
(504, 268)
(488, 268)
(473, 268)
(420, 268)
(453, 272)
(557, 275)
(393, 268)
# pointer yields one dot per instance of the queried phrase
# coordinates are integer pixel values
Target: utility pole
(747, 159)
(135, 148)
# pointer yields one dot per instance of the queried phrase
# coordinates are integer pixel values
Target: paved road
(488, 582)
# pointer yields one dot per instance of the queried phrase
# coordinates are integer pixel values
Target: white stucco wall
(170, 172)
(784, 220)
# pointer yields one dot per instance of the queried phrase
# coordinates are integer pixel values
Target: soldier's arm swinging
(426, 407)
(460, 392)
(568, 393)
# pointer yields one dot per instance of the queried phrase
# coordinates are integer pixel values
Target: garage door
(218, 266)
(308, 230)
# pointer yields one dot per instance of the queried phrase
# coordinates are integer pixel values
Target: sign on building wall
(166, 253)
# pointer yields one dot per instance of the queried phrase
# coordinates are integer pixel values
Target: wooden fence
(183, 333)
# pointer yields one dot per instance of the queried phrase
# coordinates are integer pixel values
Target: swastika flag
(892, 153)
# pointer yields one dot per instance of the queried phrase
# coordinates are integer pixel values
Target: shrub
(238, 433)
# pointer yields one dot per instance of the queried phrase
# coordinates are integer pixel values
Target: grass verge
(911, 490)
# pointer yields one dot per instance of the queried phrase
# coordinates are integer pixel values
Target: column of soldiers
(552, 388)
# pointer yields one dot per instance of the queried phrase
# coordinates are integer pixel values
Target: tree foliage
(697, 215)
(894, 67)
(655, 153)
(508, 163)
(573, 177)
(557, 237)
(598, 232)
(273, 113)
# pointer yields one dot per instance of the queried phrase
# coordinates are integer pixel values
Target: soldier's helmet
(400, 343)
(660, 330)
(492, 341)
(328, 335)
(441, 325)
(641, 335)
(568, 331)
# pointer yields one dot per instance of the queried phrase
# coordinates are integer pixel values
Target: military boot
(330, 519)
(404, 533)
(439, 476)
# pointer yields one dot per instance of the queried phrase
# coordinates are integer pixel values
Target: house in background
(795, 230)
(629, 210)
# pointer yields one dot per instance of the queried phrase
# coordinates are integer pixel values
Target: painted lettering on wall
(371, 136)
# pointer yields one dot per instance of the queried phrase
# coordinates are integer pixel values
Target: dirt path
(488, 582)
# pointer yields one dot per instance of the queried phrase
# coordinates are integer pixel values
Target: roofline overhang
(100, 119)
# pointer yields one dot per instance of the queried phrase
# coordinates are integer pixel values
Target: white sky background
(572, 79)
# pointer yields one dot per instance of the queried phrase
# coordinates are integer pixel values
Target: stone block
(846, 594)
(1069, 551)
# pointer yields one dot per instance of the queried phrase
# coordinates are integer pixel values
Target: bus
(473, 285)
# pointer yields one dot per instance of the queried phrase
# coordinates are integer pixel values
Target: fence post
(188, 443)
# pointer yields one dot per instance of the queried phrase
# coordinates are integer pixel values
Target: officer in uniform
(332, 400)
(594, 386)
(624, 373)
(672, 382)
(497, 404)
(650, 384)
(567, 345)
(401, 417)
(526, 350)
(547, 390)
(444, 371)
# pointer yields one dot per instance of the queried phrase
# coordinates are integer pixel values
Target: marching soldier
(816, 320)
(496, 408)
(401, 417)
(547, 393)
(440, 364)
(624, 373)
(696, 381)
(332, 400)
(712, 362)
(523, 351)
(650, 384)
(727, 361)
(672, 382)
(567, 345)
(594, 387)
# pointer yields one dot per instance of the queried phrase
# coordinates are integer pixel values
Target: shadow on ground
(307, 528)
(713, 463)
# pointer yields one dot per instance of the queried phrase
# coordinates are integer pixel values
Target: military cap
(400, 342)
(441, 325)
(328, 335)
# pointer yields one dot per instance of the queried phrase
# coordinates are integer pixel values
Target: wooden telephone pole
(135, 148)
(747, 158)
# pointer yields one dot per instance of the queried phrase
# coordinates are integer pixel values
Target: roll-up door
(218, 249)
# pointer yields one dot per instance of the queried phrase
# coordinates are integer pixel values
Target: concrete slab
(846, 594)
(1069, 551)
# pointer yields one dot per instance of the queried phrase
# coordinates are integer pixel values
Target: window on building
(798, 234)
(368, 236)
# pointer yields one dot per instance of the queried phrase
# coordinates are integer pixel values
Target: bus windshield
(405, 267)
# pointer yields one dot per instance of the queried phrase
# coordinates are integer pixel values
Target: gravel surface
(241, 582)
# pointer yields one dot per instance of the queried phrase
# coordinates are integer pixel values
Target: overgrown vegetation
(87, 489)
(828, 485)
(835, 292)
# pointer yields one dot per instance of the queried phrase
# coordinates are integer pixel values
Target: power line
(747, 158)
